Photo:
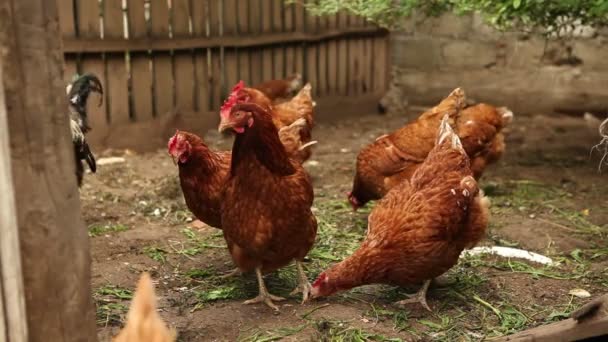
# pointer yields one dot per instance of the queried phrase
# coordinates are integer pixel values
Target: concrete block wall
(525, 72)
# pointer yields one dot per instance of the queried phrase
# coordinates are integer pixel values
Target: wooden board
(141, 65)
(70, 69)
(278, 52)
(290, 51)
(66, 18)
(183, 60)
(379, 65)
(267, 27)
(164, 90)
(199, 29)
(13, 317)
(52, 245)
(116, 68)
(255, 29)
(214, 56)
(88, 26)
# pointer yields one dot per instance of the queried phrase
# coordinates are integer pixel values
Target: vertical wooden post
(52, 239)
(13, 323)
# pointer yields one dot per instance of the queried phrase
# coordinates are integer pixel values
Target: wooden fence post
(13, 323)
(53, 242)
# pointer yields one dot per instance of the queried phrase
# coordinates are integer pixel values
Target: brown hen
(266, 208)
(417, 232)
(203, 172)
(280, 90)
(393, 158)
(284, 114)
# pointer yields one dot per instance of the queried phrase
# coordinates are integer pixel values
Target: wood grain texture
(141, 64)
(89, 28)
(13, 318)
(53, 240)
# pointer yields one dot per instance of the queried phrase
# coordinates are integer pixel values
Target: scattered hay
(602, 146)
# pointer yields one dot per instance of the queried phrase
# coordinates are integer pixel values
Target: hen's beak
(174, 161)
(224, 125)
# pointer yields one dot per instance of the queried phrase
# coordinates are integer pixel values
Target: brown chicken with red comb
(266, 207)
(417, 232)
(285, 114)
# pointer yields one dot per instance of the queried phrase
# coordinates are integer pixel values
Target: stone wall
(525, 72)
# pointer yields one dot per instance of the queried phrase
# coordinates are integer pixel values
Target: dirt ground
(547, 197)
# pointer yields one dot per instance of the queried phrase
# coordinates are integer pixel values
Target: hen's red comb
(231, 99)
(173, 141)
(319, 280)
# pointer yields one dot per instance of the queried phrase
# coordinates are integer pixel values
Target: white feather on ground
(508, 252)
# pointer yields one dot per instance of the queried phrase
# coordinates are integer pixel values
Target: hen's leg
(419, 297)
(235, 272)
(303, 284)
(264, 296)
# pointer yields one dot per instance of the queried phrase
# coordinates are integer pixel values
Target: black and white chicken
(78, 94)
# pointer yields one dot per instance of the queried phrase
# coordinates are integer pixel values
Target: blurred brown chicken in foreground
(417, 232)
(143, 322)
(393, 158)
(281, 90)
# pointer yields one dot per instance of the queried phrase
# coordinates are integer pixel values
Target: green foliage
(548, 17)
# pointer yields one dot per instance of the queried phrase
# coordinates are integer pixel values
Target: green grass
(272, 335)
(102, 229)
(556, 205)
(156, 253)
(109, 303)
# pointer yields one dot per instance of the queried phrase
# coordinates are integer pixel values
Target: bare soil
(547, 196)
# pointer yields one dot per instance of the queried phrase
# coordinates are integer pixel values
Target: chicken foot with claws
(303, 284)
(419, 297)
(264, 296)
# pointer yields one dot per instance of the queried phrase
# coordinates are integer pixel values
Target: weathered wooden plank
(13, 318)
(66, 18)
(267, 27)
(141, 64)
(118, 78)
(214, 56)
(323, 72)
(81, 45)
(89, 27)
(164, 88)
(289, 26)
(53, 242)
(255, 30)
(278, 52)
(69, 70)
(183, 60)
(199, 30)
(380, 65)
(231, 28)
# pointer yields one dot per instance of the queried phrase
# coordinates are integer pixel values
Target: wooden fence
(157, 55)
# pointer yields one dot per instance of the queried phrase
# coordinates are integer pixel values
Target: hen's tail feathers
(143, 322)
(89, 157)
(459, 97)
(446, 132)
(308, 144)
(300, 123)
(295, 82)
(506, 114)
(305, 91)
